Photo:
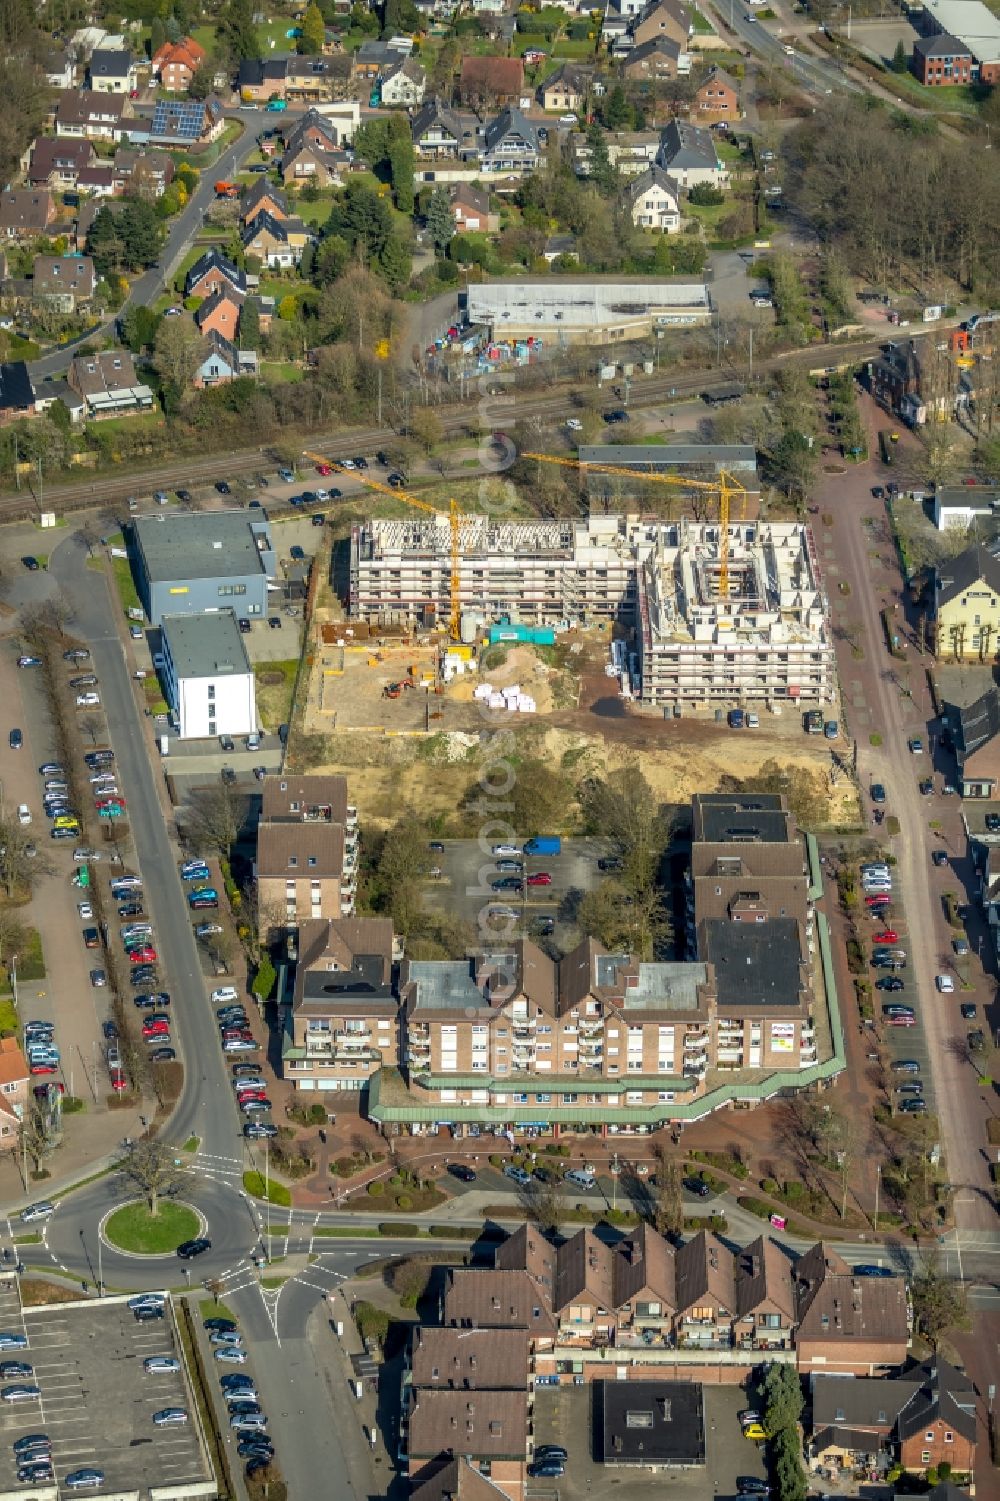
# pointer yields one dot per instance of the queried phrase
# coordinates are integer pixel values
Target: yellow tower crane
(455, 576)
(725, 487)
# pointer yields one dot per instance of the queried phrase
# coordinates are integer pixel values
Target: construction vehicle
(391, 690)
(726, 487)
(227, 190)
(455, 577)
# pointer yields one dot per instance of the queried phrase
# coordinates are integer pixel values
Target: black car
(110, 1030)
(993, 823)
(906, 1066)
(396, 480)
(610, 862)
(274, 621)
(750, 1485)
(151, 1000)
(543, 1175)
(889, 982)
(163, 1055)
(335, 494)
(144, 974)
(547, 1468)
(259, 1131)
(551, 1451)
(255, 1448)
(940, 857)
(926, 787)
(976, 1040)
(31, 563)
(968, 1011)
(878, 792)
(360, 463)
(184, 495)
(222, 487)
(309, 497)
(697, 1186)
(261, 1462)
(131, 909)
(91, 938)
(461, 1172)
(318, 520)
(228, 776)
(220, 1326)
(148, 1313)
(870, 1269)
(618, 415)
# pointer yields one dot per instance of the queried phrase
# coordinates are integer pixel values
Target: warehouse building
(190, 563)
(600, 310)
(207, 677)
(766, 638)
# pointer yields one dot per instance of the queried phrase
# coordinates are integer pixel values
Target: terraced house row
(510, 1039)
(641, 1309)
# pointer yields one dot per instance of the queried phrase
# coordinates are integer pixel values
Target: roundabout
(135, 1231)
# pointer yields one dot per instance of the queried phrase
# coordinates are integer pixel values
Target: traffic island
(134, 1228)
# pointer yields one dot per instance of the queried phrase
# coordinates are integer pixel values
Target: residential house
(942, 59)
(263, 197)
(765, 1301)
(653, 201)
(437, 131)
(306, 162)
(186, 122)
(319, 130)
(17, 395)
(220, 314)
(277, 242)
(175, 64)
(662, 18)
(705, 1280)
(112, 71)
(56, 164)
(99, 181)
(212, 272)
(486, 1429)
(143, 173)
(64, 282)
(313, 79)
(567, 89)
(108, 384)
(560, 247)
(488, 83)
(629, 151)
(403, 84)
(307, 849)
(845, 1324)
(583, 1295)
(909, 380)
(966, 605)
(93, 117)
(343, 1021)
(920, 1419)
(375, 57)
(60, 390)
(25, 213)
(717, 97)
(86, 214)
(510, 144)
(688, 153)
(60, 68)
(660, 59)
(223, 362)
(262, 79)
(974, 730)
(14, 1092)
(470, 208)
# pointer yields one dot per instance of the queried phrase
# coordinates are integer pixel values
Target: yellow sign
(183, 589)
(382, 349)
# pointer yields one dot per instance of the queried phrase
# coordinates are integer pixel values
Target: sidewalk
(370, 1467)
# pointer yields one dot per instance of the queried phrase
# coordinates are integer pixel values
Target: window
(293, 860)
(929, 1436)
(311, 860)
(211, 686)
(925, 1457)
(949, 1437)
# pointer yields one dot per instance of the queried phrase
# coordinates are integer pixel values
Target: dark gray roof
(262, 188)
(740, 818)
(651, 1422)
(214, 258)
(974, 725)
(944, 1394)
(15, 387)
(435, 112)
(205, 646)
(959, 574)
(655, 457)
(686, 146)
(755, 965)
(199, 544)
(110, 63)
(859, 1402)
(942, 45)
(510, 122)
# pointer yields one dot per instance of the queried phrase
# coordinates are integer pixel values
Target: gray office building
(194, 563)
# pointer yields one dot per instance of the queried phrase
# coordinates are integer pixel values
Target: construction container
(507, 632)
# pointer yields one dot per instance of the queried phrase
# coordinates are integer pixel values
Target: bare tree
(37, 1136)
(13, 936)
(215, 820)
(154, 1168)
(18, 868)
(543, 1202)
(668, 1208)
(92, 725)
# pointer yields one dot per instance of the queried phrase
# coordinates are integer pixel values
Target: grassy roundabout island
(134, 1229)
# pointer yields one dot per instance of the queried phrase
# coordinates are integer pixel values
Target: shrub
(376, 1188)
(404, 1202)
(343, 1167)
(317, 1115)
(372, 1322)
(397, 1180)
(72, 1104)
(769, 1185)
(400, 1228)
(705, 195)
(496, 1160)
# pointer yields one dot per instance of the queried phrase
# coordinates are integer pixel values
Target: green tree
(668, 1207)
(900, 58)
(782, 1397)
(177, 352)
(400, 16)
(602, 173)
(157, 35)
(237, 35)
(401, 172)
(141, 233)
(201, 81)
(250, 324)
(362, 218)
(105, 244)
(440, 220)
(154, 1168)
(395, 262)
(312, 32)
(616, 111)
(139, 327)
(330, 260)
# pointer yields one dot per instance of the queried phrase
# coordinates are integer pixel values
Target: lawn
(8, 1017)
(281, 372)
(956, 97)
(122, 570)
(215, 1310)
(31, 964)
(132, 1228)
(275, 683)
(316, 212)
(276, 1193)
(701, 24)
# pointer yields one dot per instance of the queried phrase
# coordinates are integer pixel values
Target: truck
(227, 190)
(544, 844)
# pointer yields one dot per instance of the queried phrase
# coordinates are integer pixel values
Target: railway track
(484, 413)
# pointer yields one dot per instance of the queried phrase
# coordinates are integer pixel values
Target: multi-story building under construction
(765, 638)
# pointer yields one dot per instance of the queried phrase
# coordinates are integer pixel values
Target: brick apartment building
(921, 1419)
(307, 850)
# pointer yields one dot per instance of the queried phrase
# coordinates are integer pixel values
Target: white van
(581, 1179)
(23, 813)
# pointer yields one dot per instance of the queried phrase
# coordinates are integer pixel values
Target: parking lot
(900, 1042)
(464, 887)
(97, 1402)
(563, 1415)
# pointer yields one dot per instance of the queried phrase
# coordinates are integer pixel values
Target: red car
(43, 1068)
(237, 1034)
(880, 899)
(250, 1094)
(540, 878)
(119, 1083)
(889, 936)
(145, 955)
(323, 469)
(899, 1021)
(155, 1026)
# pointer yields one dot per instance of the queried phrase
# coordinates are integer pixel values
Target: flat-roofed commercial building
(207, 676)
(599, 310)
(192, 563)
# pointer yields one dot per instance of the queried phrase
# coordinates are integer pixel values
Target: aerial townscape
(500, 789)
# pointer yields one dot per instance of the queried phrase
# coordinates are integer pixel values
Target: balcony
(352, 816)
(590, 1026)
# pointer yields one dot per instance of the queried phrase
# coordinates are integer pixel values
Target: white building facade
(207, 677)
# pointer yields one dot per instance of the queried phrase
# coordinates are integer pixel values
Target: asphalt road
(182, 229)
(815, 74)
